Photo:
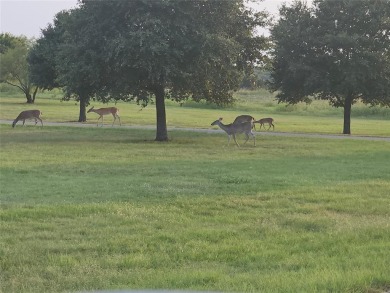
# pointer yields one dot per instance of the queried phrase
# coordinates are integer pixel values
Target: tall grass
(109, 208)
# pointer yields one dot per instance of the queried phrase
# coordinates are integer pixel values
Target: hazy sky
(28, 17)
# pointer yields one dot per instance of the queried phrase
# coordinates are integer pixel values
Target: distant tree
(256, 79)
(336, 51)
(14, 66)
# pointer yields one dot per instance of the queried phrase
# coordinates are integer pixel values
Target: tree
(61, 58)
(14, 65)
(336, 51)
(170, 49)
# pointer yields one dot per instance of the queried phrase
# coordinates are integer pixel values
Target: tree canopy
(336, 50)
(156, 49)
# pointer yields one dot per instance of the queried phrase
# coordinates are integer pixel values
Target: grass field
(317, 117)
(108, 208)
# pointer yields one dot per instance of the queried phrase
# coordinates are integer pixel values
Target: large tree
(146, 49)
(335, 50)
(14, 66)
(176, 49)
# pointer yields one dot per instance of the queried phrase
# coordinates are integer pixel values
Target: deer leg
(228, 139)
(98, 121)
(247, 137)
(234, 137)
(39, 120)
(273, 126)
(24, 120)
(114, 115)
(119, 118)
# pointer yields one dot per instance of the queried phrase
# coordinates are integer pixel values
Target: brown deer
(245, 118)
(28, 115)
(105, 111)
(266, 120)
(233, 129)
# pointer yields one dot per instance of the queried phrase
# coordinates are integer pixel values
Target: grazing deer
(233, 129)
(266, 120)
(28, 114)
(245, 118)
(105, 111)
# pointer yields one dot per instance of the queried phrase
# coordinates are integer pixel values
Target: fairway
(109, 208)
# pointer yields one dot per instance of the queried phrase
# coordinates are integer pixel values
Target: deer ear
(220, 119)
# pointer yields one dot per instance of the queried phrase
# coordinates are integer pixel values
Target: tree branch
(18, 86)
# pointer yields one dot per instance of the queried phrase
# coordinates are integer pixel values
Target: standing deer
(105, 111)
(245, 118)
(266, 120)
(233, 129)
(28, 114)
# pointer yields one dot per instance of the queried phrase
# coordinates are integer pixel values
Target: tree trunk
(34, 94)
(83, 112)
(162, 133)
(29, 98)
(347, 115)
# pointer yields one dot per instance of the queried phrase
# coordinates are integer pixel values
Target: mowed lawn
(318, 117)
(108, 208)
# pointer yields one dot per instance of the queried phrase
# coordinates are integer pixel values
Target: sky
(29, 17)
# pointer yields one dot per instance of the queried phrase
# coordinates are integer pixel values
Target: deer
(105, 111)
(28, 114)
(266, 120)
(233, 129)
(245, 118)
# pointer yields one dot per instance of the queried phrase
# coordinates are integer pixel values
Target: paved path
(213, 130)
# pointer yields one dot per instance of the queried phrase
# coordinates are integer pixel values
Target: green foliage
(41, 58)
(62, 57)
(7, 41)
(14, 67)
(286, 216)
(336, 51)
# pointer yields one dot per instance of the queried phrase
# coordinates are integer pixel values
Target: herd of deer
(242, 124)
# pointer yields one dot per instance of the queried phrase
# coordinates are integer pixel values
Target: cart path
(204, 130)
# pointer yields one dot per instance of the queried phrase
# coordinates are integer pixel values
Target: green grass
(109, 208)
(317, 117)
